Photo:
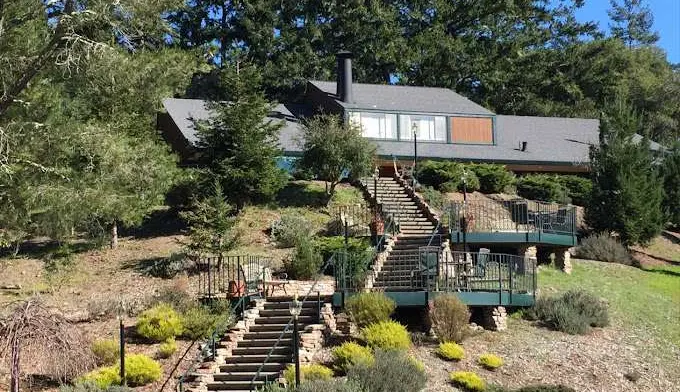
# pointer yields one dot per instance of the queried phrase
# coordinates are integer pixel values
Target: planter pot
(236, 289)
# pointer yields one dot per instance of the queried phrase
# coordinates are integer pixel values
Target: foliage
(386, 335)
(212, 225)
(447, 176)
(240, 144)
(670, 170)
(603, 247)
(578, 188)
(167, 348)
(541, 187)
(434, 198)
(103, 377)
(332, 148)
(334, 385)
(574, 312)
(159, 323)
(493, 178)
(632, 22)
(106, 351)
(369, 308)
(305, 262)
(141, 370)
(289, 228)
(311, 372)
(329, 245)
(350, 354)
(199, 321)
(627, 191)
(450, 318)
(490, 361)
(92, 387)
(391, 371)
(176, 295)
(469, 381)
(451, 351)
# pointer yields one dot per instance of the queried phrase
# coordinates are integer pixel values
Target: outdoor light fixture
(414, 129)
(295, 309)
(376, 175)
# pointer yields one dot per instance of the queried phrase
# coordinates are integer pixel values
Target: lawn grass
(647, 301)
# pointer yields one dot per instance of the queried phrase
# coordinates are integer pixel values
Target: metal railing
(355, 219)
(512, 216)
(231, 275)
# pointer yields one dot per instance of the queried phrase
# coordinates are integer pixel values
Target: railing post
(238, 274)
(264, 283)
(510, 277)
(318, 306)
(500, 283)
(209, 282)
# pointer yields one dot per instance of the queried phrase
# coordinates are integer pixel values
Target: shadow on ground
(160, 223)
(301, 195)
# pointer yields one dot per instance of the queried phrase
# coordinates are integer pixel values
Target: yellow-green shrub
(103, 377)
(106, 351)
(159, 323)
(307, 373)
(386, 335)
(417, 363)
(167, 348)
(369, 308)
(451, 351)
(490, 361)
(141, 370)
(349, 354)
(468, 381)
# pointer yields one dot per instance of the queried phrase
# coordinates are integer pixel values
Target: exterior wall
(478, 130)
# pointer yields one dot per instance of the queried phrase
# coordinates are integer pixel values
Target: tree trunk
(14, 372)
(114, 235)
(330, 192)
(17, 248)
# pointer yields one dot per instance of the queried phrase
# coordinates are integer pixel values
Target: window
(375, 125)
(475, 130)
(428, 128)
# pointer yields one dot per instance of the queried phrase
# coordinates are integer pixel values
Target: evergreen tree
(670, 169)
(333, 149)
(240, 144)
(627, 191)
(632, 22)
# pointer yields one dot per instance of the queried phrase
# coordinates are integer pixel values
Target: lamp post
(414, 129)
(465, 210)
(376, 175)
(121, 331)
(295, 308)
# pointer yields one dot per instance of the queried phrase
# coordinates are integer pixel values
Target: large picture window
(375, 125)
(427, 128)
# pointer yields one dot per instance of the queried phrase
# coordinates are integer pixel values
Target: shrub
(159, 323)
(106, 351)
(451, 351)
(578, 188)
(305, 262)
(603, 247)
(289, 229)
(573, 312)
(493, 178)
(369, 308)
(446, 176)
(541, 187)
(417, 363)
(392, 371)
(386, 335)
(329, 245)
(490, 361)
(198, 323)
(433, 198)
(167, 348)
(468, 381)
(311, 372)
(449, 317)
(141, 370)
(176, 295)
(349, 354)
(335, 385)
(103, 377)
(92, 387)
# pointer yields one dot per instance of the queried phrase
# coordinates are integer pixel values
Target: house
(446, 126)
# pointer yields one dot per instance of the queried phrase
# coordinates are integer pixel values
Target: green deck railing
(244, 273)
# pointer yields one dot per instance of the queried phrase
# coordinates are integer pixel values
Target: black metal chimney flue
(344, 86)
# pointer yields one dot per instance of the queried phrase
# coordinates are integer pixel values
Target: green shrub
(290, 229)
(305, 262)
(335, 385)
(447, 176)
(490, 361)
(103, 377)
(451, 351)
(417, 363)
(349, 354)
(542, 187)
(329, 245)
(573, 312)
(311, 372)
(159, 323)
(603, 247)
(469, 381)
(493, 178)
(92, 387)
(449, 317)
(392, 371)
(177, 296)
(386, 335)
(578, 188)
(433, 198)
(167, 348)
(106, 351)
(369, 308)
(273, 387)
(198, 323)
(141, 370)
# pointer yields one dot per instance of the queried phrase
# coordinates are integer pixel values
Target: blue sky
(666, 22)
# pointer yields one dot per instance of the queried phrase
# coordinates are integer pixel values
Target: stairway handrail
(285, 330)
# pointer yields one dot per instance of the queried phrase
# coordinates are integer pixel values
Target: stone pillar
(311, 341)
(495, 318)
(529, 252)
(563, 260)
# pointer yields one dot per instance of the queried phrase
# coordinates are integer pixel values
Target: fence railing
(511, 216)
(355, 218)
(233, 276)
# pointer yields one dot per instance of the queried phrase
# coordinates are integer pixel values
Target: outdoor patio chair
(482, 260)
(427, 271)
(271, 283)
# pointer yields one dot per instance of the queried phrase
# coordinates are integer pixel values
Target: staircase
(251, 352)
(415, 231)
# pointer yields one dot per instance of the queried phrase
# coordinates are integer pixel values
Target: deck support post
(563, 260)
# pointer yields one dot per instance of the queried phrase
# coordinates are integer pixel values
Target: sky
(666, 22)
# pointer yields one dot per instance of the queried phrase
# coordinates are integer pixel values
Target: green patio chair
(482, 259)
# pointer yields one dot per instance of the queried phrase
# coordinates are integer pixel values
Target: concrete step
(268, 328)
(279, 350)
(266, 335)
(285, 319)
(271, 366)
(245, 376)
(261, 342)
(310, 310)
(259, 358)
(235, 386)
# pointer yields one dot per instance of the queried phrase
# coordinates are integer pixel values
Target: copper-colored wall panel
(472, 130)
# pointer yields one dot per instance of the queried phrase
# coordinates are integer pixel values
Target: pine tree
(627, 192)
(632, 22)
(670, 167)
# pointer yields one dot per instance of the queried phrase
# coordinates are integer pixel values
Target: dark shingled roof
(404, 98)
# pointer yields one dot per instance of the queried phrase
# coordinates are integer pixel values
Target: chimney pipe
(344, 81)
(524, 146)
